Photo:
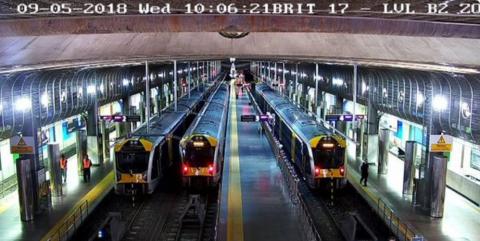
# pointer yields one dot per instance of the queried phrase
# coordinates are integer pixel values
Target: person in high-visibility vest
(63, 167)
(86, 168)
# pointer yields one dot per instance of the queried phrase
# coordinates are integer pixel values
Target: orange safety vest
(86, 163)
(63, 163)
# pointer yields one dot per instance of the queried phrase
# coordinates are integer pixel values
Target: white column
(147, 94)
(354, 100)
(175, 84)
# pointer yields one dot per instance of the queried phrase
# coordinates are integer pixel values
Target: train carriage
(317, 152)
(144, 157)
(203, 145)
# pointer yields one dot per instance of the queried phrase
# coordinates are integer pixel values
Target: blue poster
(399, 132)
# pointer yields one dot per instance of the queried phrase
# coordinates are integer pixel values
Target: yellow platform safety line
(90, 197)
(235, 209)
(8, 201)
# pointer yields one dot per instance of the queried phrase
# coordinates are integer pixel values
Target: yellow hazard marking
(21, 142)
(60, 228)
(441, 140)
(235, 212)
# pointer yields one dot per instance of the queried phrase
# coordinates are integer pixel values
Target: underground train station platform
(331, 84)
(254, 202)
(384, 193)
(65, 212)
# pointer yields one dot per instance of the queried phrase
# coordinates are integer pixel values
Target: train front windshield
(199, 153)
(199, 157)
(329, 155)
(132, 162)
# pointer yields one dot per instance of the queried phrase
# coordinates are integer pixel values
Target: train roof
(161, 125)
(209, 121)
(304, 125)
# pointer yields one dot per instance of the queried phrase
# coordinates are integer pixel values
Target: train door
(155, 163)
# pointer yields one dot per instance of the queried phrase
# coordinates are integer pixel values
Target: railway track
(150, 215)
(194, 220)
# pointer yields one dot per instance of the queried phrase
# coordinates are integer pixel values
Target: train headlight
(185, 169)
(210, 169)
(342, 170)
(317, 170)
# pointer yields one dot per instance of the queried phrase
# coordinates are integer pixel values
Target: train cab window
(135, 162)
(199, 153)
(200, 157)
(328, 155)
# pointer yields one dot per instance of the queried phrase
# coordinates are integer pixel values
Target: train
(202, 147)
(144, 157)
(316, 151)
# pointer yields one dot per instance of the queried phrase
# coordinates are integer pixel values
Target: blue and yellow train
(203, 145)
(146, 156)
(317, 152)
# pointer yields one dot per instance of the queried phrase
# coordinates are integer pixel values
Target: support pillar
(55, 170)
(124, 128)
(324, 107)
(383, 147)
(438, 184)
(81, 148)
(170, 92)
(189, 79)
(370, 140)
(105, 141)
(360, 139)
(36, 169)
(295, 86)
(338, 108)
(93, 140)
(159, 99)
(275, 81)
(198, 75)
(409, 168)
(175, 87)
(26, 189)
(142, 108)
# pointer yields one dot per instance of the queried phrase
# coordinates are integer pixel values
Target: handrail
(71, 223)
(399, 228)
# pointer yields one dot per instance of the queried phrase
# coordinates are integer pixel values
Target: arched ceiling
(33, 50)
(74, 40)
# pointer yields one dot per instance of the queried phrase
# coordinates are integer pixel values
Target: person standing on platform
(86, 168)
(63, 168)
(364, 170)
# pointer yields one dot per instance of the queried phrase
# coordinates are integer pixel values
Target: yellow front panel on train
(197, 171)
(329, 173)
(131, 178)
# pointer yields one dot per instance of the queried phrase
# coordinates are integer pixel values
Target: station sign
(22, 145)
(345, 117)
(120, 118)
(441, 143)
(248, 118)
(254, 118)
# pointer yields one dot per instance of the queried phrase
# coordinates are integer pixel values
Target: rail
(292, 180)
(400, 229)
(71, 223)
